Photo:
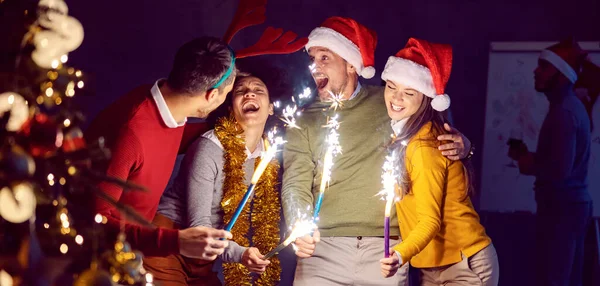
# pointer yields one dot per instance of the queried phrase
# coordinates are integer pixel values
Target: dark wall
(131, 42)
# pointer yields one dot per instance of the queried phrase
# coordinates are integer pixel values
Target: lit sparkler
(336, 100)
(333, 148)
(388, 180)
(290, 111)
(266, 157)
(303, 226)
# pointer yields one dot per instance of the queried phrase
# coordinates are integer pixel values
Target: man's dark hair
(199, 64)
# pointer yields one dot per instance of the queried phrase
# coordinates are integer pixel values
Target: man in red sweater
(143, 130)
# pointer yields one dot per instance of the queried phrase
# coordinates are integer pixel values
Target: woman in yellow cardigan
(440, 229)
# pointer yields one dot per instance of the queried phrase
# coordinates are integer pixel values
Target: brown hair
(424, 115)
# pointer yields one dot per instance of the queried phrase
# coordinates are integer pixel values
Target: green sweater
(350, 206)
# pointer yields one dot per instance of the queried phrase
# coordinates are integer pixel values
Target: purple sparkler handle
(386, 238)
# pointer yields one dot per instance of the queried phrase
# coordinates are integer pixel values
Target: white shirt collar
(260, 148)
(398, 125)
(163, 109)
(356, 91)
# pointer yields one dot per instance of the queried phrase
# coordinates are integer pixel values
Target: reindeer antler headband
(273, 40)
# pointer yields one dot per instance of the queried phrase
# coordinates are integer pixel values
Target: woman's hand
(253, 260)
(390, 265)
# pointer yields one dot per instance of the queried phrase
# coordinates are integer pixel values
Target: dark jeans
(560, 234)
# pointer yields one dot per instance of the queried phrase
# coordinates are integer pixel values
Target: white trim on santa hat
(560, 64)
(337, 43)
(410, 74)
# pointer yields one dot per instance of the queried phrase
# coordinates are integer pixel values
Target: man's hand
(203, 242)
(253, 260)
(460, 146)
(390, 265)
(306, 245)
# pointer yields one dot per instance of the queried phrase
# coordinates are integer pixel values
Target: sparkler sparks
(266, 158)
(313, 68)
(268, 154)
(333, 148)
(303, 226)
(388, 180)
(290, 111)
(336, 100)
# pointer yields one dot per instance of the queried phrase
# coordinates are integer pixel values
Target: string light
(98, 218)
(79, 239)
(49, 92)
(80, 84)
(55, 64)
(67, 122)
(51, 180)
(64, 59)
(64, 248)
(52, 75)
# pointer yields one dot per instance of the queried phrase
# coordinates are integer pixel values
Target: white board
(515, 109)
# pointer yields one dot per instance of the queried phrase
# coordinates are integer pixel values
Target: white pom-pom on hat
(368, 72)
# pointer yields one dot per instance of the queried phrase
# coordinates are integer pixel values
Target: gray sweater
(194, 199)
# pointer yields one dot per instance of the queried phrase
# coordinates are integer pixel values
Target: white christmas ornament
(52, 12)
(48, 42)
(48, 48)
(71, 32)
(64, 34)
(5, 279)
(17, 106)
(19, 204)
(45, 60)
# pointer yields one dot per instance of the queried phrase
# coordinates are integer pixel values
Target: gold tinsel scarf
(266, 206)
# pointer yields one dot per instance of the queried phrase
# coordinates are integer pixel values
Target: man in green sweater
(350, 235)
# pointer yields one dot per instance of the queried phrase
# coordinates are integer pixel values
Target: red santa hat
(567, 56)
(350, 40)
(423, 66)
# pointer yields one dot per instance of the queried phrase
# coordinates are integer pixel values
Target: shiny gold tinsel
(265, 214)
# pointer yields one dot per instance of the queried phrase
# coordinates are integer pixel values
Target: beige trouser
(481, 269)
(347, 261)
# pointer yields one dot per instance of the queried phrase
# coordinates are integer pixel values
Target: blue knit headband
(229, 70)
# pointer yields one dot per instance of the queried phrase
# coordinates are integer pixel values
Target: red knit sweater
(144, 151)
